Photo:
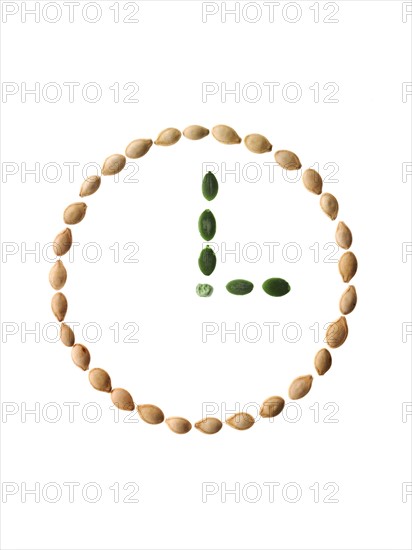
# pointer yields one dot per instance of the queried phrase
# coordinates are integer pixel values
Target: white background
(363, 447)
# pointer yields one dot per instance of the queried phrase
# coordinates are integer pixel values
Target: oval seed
(225, 134)
(150, 414)
(122, 399)
(276, 287)
(178, 424)
(62, 242)
(204, 290)
(209, 425)
(207, 261)
(329, 205)
(90, 186)
(100, 380)
(66, 335)
(241, 421)
(138, 148)
(113, 165)
(239, 287)
(312, 181)
(207, 225)
(348, 300)
(74, 213)
(257, 143)
(58, 275)
(81, 356)
(343, 236)
(195, 132)
(167, 137)
(348, 266)
(288, 160)
(210, 186)
(272, 406)
(300, 386)
(59, 306)
(337, 333)
(323, 361)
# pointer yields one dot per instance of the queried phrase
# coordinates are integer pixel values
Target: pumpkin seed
(58, 275)
(348, 266)
(167, 137)
(241, 421)
(288, 160)
(59, 306)
(74, 213)
(337, 332)
(312, 181)
(257, 143)
(210, 186)
(343, 236)
(81, 356)
(100, 380)
(178, 424)
(195, 132)
(207, 225)
(348, 300)
(207, 261)
(113, 165)
(300, 386)
(209, 425)
(138, 148)
(276, 287)
(90, 186)
(66, 335)
(240, 287)
(204, 290)
(122, 399)
(225, 134)
(323, 361)
(150, 414)
(62, 242)
(329, 205)
(272, 406)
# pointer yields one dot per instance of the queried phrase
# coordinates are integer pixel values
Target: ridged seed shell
(178, 424)
(100, 380)
(122, 399)
(209, 425)
(113, 164)
(337, 332)
(272, 406)
(225, 134)
(74, 213)
(195, 132)
(300, 386)
(81, 356)
(348, 300)
(343, 236)
(66, 335)
(323, 361)
(348, 266)
(257, 143)
(62, 242)
(150, 414)
(58, 275)
(90, 186)
(312, 181)
(288, 160)
(59, 306)
(167, 137)
(329, 205)
(138, 148)
(241, 421)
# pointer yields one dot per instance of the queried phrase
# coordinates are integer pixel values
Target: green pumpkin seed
(207, 225)
(240, 287)
(204, 290)
(207, 261)
(210, 186)
(276, 287)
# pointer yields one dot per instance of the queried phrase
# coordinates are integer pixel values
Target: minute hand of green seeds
(210, 186)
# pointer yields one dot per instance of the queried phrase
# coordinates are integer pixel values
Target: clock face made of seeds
(275, 287)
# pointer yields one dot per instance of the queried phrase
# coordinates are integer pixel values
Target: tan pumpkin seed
(329, 205)
(348, 266)
(348, 300)
(225, 134)
(90, 186)
(100, 380)
(113, 165)
(288, 160)
(272, 406)
(241, 421)
(81, 356)
(300, 386)
(62, 242)
(58, 275)
(138, 148)
(337, 332)
(66, 335)
(209, 425)
(59, 306)
(323, 361)
(150, 414)
(257, 143)
(343, 236)
(195, 132)
(178, 424)
(312, 181)
(74, 213)
(167, 137)
(122, 399)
